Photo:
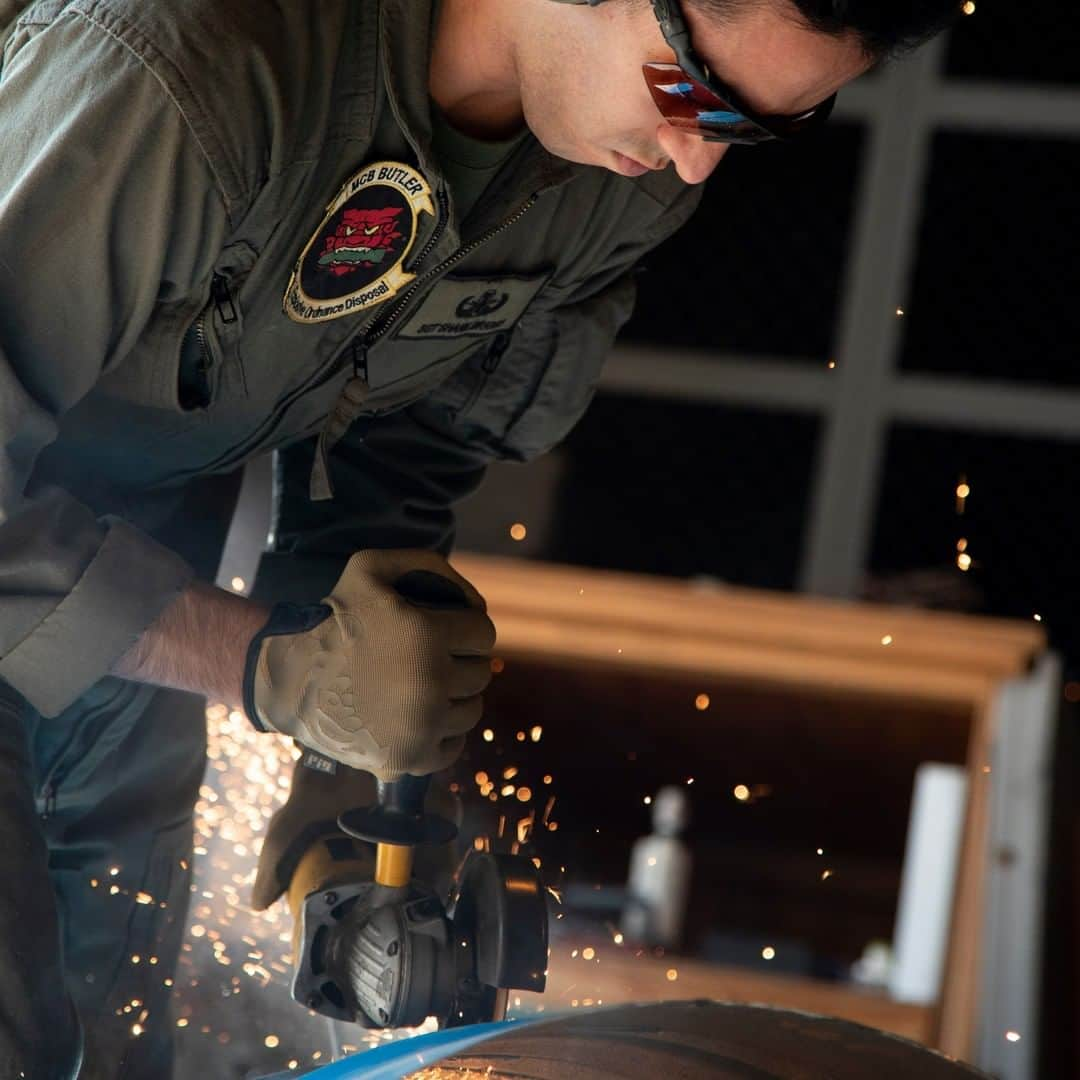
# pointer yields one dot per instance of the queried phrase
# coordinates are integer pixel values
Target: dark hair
(885, 28)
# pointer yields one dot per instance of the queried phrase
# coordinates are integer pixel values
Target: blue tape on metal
(399, 1059)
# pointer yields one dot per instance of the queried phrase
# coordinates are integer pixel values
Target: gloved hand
(309, 817)
(383, 684)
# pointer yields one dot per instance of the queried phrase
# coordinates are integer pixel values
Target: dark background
(676, 488)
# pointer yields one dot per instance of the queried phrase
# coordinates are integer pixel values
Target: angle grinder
(387, 952)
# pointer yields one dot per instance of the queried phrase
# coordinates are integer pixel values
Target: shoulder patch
(354, 260)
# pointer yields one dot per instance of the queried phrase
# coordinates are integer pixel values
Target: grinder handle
(403, 796)
(426, 589)
(403, 799)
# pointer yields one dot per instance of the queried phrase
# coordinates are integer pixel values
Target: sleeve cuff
(285, 618)
(127, 584)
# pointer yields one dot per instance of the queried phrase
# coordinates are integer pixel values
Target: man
(392, 244)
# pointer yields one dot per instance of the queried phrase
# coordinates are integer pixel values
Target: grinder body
(386, 956)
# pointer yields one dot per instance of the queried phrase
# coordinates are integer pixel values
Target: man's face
(584, 97)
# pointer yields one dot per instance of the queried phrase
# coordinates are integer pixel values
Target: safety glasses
(691, 98)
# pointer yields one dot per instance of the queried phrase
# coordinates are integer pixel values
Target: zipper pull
(495, 352)
(359, 360)
(49, 795)
(223, 301)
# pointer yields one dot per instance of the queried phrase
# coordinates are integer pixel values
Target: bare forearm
(199, 643)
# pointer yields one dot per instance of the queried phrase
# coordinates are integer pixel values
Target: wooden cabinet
(616, 668)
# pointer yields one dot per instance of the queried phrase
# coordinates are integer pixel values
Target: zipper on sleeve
(206, 357)
(221, 297)
(206, 362)
(195, 366)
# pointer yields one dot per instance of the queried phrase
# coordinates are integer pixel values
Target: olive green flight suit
(166, 171)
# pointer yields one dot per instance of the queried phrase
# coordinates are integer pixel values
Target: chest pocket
(209, 362)
(473, 305)
(459, 317)
(522, 396)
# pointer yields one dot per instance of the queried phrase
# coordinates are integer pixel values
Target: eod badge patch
(354, 259)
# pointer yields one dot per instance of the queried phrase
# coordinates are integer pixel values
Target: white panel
(928, 883)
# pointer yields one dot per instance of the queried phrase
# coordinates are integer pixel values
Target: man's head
(578, 66)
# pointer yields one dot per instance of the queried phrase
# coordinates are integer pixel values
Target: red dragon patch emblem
(363, 238)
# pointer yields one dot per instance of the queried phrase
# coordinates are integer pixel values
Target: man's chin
(627, 166)
(612, 160)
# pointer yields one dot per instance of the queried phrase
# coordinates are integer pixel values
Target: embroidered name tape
(354, 260)
(464, 306)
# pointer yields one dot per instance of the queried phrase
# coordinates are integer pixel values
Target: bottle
(659, 883)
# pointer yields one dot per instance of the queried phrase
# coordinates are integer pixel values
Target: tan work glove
(309, 817)
(382, 684)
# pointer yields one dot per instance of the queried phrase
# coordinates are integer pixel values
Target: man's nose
(694, 158)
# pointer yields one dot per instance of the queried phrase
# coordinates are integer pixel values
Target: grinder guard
(499, 908)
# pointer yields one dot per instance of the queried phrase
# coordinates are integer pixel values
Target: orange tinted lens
(688, 104)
